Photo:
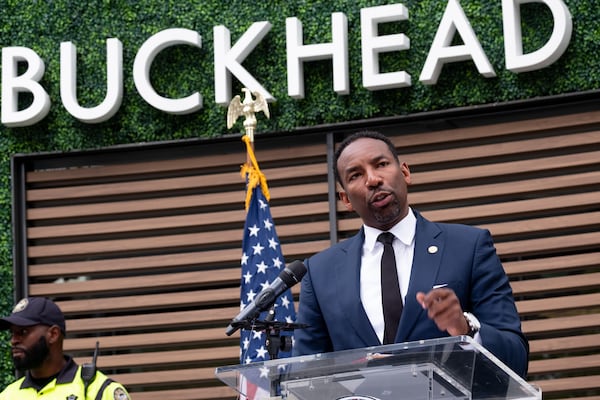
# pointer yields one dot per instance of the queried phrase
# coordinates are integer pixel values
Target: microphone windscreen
(293, 273)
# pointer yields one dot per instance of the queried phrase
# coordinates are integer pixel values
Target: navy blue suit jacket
(463, 257)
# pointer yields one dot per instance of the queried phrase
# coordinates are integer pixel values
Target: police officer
(37, 328)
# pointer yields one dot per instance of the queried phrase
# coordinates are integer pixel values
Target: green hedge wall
(179, 71)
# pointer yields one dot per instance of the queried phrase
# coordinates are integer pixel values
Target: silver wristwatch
(474, 324)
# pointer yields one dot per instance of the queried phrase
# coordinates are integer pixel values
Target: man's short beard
(34, 357)
(390, 214)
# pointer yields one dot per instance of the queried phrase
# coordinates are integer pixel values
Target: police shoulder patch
(120, 394)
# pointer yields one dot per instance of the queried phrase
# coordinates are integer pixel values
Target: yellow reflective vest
(68, 385)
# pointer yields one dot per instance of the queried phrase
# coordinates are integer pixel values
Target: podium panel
(436, 369)
(415, 382)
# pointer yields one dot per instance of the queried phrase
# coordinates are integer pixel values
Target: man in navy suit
(450, 277)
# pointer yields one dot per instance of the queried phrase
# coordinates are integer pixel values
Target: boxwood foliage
(182, 70)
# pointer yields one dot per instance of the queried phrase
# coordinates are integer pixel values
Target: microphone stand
(274, 341)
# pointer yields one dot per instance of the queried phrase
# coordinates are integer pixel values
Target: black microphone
(291, 275)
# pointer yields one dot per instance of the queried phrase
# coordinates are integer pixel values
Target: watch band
(473, 323)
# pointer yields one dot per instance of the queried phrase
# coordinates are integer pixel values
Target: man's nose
(373, 179)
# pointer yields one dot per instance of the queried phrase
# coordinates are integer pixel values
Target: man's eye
(21, 332)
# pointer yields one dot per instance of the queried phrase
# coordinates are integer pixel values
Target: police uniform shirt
(68, 385)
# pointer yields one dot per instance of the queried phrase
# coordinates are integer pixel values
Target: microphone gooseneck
(290, 276)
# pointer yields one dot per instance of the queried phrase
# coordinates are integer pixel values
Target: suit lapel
(429, 246)
(348, 289)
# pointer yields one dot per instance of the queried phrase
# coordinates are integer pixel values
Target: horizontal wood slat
(182, 376)
(200, 393)
(145, 264)
(116, 285)
(195, 298)
(524, 268)
(518, 208)
(167, 241)
(531, 247)
(156, 320)
(141, 249)
(570, 386)
(562, 325)
(148, 360)
(522, 167)
(561, 303)
(569, 283)
(515, 188)
(161, 185)
(548, 225)
(514, 148)
(169, 222)
(188, 337)
(565, 364)
(175, 164)
(568, 343)
(165, 204)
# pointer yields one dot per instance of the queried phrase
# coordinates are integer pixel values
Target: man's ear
(405, 172)
(344, 198)
(54, 334)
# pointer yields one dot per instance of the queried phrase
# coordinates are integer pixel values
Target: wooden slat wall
(143, 255)
(142, 250)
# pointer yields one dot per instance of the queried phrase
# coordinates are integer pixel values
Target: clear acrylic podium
(440, 369)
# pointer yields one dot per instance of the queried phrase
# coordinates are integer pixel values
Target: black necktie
(390, 291)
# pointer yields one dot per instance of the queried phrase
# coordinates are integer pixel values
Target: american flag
(262, 262)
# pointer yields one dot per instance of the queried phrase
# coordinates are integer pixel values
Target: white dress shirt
(370, 270)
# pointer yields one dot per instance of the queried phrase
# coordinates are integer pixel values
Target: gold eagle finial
(248, 108)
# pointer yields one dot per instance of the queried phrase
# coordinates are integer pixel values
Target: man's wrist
(473, 324)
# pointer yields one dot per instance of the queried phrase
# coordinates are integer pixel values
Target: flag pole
(262, 262)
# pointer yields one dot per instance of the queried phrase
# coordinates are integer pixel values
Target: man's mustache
(19, 348)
